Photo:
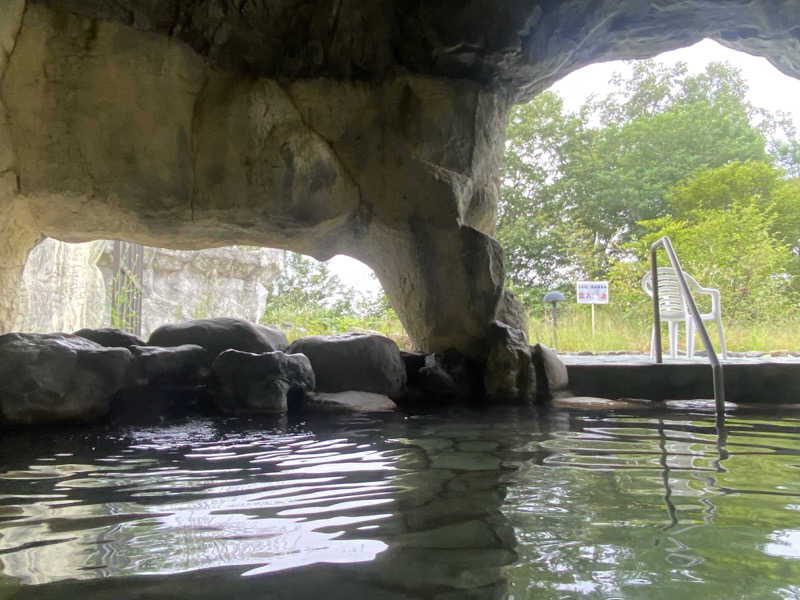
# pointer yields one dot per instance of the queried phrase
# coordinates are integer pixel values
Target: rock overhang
(518, 45)
(369, 129)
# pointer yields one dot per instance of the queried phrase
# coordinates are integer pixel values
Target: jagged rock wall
(62, 288)
(66, 287)
(371, 129)
(178, 285)
(18, 232)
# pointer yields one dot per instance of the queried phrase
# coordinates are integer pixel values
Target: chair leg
(722, 347)
(673, 339)
(653, 342)
(689, 338)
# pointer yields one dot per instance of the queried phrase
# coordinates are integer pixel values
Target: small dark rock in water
(58, 378)
(447, 376)
(355, 361)
(413, 361)
(110, 337)
(551, 372)
(260, 383)
(509, 373)
(219, 334)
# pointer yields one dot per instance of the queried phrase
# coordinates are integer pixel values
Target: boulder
(447, 376)
(164, 383)
(110, 337)
(219, 334)
(350, 401)
(185, 366)
(551, 372)
(354, 361)
(260, 383)
(58, 378)
(509, 375)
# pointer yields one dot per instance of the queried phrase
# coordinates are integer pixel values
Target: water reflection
(409, 506)
(641, 506)
(510, 503)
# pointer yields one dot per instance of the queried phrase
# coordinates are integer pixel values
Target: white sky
(769, 88)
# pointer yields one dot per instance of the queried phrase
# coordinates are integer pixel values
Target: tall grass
(615, 330)
(618, 331)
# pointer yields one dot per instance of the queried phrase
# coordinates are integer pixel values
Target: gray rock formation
(447, 377)
(62, 288)
(219, 334)
(551, 372)
(260, 383)
(354, 361)
(58, 378)
(371, 129)
(183, 367)
(163, 383)
(509, 375)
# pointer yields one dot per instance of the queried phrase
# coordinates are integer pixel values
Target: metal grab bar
(716, 366)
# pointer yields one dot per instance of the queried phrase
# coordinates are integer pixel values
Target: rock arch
(368, 129)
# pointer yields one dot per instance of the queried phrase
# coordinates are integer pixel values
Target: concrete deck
(748, 379)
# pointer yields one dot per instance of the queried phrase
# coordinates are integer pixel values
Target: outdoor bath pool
(505, 503)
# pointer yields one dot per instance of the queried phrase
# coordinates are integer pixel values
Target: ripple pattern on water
(653, 507)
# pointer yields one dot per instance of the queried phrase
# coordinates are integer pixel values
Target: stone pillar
(17, 237)
(423, 154)
(17, 233)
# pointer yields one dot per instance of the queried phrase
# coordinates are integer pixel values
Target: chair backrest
(670, 299)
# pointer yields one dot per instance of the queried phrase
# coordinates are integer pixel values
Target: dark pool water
(499, 504)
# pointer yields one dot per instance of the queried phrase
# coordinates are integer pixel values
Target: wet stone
(466, 534)
(452, 509)
(477, 446)
(260, 383)
(466, 461)
(350, 401)
(428, 444)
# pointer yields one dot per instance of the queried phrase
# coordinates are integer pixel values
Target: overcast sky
(769, 88)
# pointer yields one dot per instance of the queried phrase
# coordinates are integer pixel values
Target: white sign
(592, 292)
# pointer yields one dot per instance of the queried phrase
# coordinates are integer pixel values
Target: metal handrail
(716, 366)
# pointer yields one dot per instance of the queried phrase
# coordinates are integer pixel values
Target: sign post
(592, 292)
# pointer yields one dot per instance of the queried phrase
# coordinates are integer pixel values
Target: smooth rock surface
(350, 401)
(219, 334)
(58, 378)
(509, 375)
(110, 337)
(185, 366)
(354, 361)
(260, 383)
(551, 372)
(164, 383)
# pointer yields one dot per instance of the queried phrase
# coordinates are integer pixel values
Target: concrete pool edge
(750, 383)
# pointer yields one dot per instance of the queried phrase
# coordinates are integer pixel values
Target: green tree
(530, 230)
(307, 298)
(576, 187)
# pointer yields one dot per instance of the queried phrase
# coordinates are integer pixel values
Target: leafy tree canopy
(578, 189)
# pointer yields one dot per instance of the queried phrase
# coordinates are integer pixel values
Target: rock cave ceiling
(372, 128)
(518, 45)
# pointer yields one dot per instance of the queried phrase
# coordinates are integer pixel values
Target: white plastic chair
(673, 309)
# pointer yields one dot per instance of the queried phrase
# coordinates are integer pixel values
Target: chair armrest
(716, 301)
